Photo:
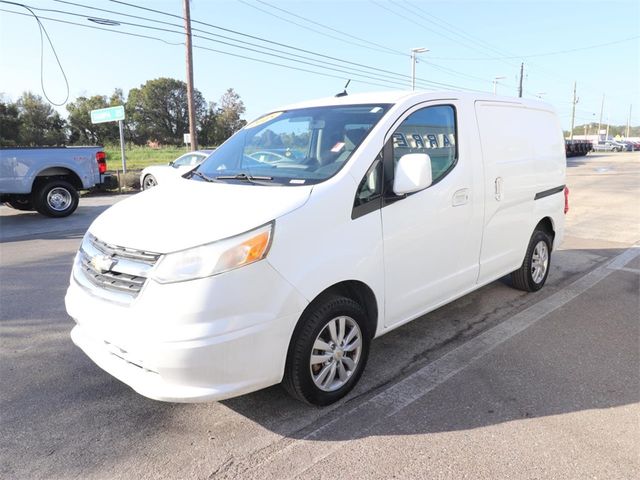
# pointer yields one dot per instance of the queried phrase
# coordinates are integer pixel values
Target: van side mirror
(413, 173)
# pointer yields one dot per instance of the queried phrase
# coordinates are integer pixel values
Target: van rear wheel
(328, 351)
(532, 275)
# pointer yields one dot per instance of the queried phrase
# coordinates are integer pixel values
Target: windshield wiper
(245, 177)
(201, 175)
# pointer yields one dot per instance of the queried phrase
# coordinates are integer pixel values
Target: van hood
(188, 213)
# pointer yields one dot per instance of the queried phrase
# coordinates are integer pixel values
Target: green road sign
(111, 114)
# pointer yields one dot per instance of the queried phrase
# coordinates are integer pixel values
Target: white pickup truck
(47, 179)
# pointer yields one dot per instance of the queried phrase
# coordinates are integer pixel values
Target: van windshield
(295, 147)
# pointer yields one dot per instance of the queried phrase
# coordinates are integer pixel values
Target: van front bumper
(203, 340)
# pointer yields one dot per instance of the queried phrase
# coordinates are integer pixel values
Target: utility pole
(600, 121)
(573, 111)
(414, 60)
(193, 134)
(521, 75)
(628, 121)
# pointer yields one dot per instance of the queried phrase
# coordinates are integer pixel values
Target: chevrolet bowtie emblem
(103, 263)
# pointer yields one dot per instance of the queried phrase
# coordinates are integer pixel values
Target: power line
(547, 54)
(378, 47)
(360, 72)
(412, 20)
(235, 45)
(42, 29)
(439, 84)
(387, 81)
(443, 24)
(254, 37)
(93, 27)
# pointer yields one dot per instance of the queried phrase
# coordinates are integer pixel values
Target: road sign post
(124, 159)
(112, 114)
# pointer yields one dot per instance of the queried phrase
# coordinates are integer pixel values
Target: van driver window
(430, 130)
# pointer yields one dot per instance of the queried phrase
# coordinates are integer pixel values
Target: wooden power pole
(521, 75)
(193, 134)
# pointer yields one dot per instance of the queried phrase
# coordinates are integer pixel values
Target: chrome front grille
(122, 252)
(111, 280)
(113, 268)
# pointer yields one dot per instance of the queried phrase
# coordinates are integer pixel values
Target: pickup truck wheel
(24, 205)
(56, 198)
(149, 181)
(328, 351)
(533, 273)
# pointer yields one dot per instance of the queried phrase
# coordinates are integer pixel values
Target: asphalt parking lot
(498, 384)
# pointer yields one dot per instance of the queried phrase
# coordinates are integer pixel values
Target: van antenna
(344, 92)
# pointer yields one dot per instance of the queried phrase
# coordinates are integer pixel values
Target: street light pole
(495, 84)
(414, 60)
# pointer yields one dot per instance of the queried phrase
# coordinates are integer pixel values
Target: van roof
(402, 95)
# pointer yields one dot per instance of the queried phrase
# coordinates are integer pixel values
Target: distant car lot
(498, 384)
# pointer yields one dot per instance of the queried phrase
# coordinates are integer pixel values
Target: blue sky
(468, 43)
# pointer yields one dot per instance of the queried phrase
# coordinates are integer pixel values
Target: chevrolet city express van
(311, 231)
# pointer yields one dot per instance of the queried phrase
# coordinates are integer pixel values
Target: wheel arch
(546, 224)
(357, 291)
(61, 173)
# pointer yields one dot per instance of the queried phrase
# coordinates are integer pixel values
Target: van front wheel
(533, 273)
(328, 351)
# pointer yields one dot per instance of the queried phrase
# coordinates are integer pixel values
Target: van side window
(369, 192)
(430, 130)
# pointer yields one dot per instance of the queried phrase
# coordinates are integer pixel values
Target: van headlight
(214, 258)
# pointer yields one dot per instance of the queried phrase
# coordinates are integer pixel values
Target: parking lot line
(297, 456)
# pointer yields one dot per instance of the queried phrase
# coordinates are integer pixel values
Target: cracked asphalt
(498, 384)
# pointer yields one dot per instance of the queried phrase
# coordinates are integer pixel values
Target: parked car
(609, 146)
(630, 146)
(258, 272)
(48, 179)
(151, 176)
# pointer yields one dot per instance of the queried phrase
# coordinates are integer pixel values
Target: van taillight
(101, 158)
(566, 199)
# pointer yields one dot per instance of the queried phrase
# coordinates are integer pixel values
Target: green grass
(141, 157)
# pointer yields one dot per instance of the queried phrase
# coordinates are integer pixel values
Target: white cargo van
(313, 230)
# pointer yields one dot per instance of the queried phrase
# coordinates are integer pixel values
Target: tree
(40, 124)
(80, 126)
(9, 123)
(208, 134)
(220, 122)
(231, 109)
(158, 111)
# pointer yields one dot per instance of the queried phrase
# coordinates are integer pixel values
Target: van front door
(431, 237)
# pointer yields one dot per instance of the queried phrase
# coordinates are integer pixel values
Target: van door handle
(461, 197)
(498, 194)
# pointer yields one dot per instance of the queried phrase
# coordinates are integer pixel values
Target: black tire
(148, 182)
(20, 204)
(55, 198)
(526, 277)
(298, 380)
